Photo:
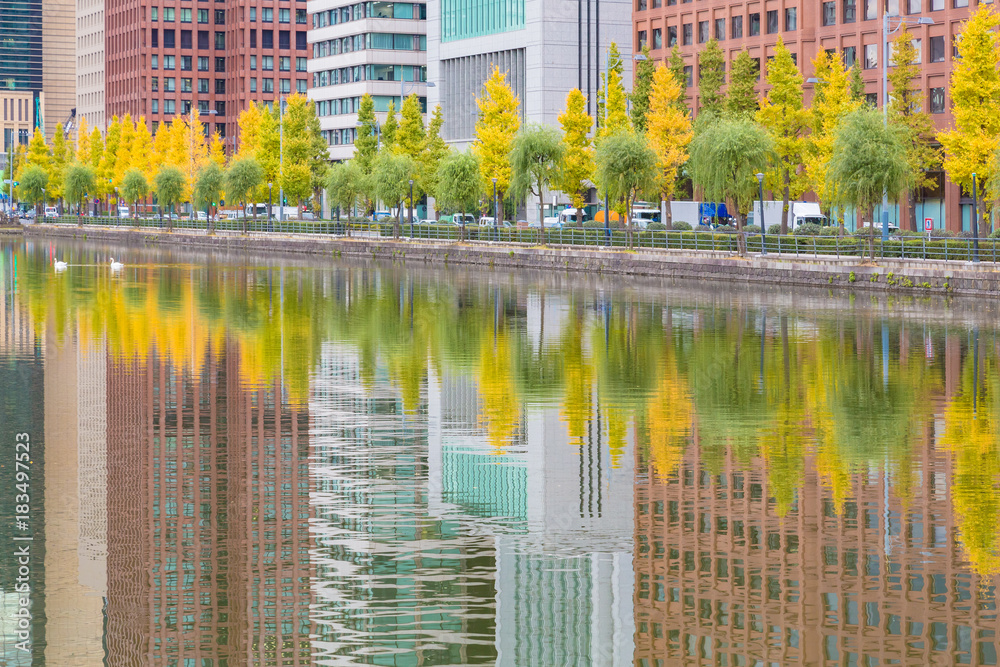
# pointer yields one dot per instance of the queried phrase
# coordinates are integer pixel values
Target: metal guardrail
(910, 247)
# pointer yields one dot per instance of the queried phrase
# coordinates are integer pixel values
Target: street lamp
(886, 31)
(402, 89)
(763, 235)
(118, 208)
(43, 204)
(269, 204)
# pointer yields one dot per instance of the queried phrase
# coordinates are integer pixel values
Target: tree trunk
(784, 205)
(668, 217)
(911, 212)
(579, 214)
(984, 228)
(541, 211)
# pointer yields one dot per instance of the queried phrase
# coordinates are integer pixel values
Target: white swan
(60, 265)
(116, 266)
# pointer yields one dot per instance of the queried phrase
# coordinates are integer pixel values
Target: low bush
(808, 229)
(681, 226)
(656, 227)
(703, 228)
(752, 229)
(774, 229)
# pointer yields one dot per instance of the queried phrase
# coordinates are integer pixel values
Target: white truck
(799, 213)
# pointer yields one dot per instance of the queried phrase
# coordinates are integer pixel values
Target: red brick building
(167, 55)
(852, 27)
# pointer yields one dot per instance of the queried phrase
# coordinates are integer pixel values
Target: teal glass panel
(463, 19)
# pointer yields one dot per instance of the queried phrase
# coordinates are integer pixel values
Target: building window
(871, 10)
(688, 31)
(657, 38)
(202, 16)
(154, 13)
(937, 100)
(220, 64)
(871, 56)
(754, 24)
(702, 32)
(253, 15)
(937, 5)
(286, 86)
(169, 84)
(154, 84)
(169, 107)
(220, 41)
(913, 6)
(202, 63)
(154, 61)
(284, 16)
(830, 13)
(736, 26)
(268, 85)
(720, 29)
(185, 63)
(169, 39)
(220, 17)
(186, 85)
(960, 3)
(285, 42)
(253, 62)
(267, 15)
(791, 19)
(168, 62)
(641, 39)
(850, 56)
(300, 86)
(155, 107)
(267, 63)
(185, 15)
(302, 18)
(850, 11)
(203, 86)
(937, 49)
(220, 108)
(688, 75)
(267, 39)
(871, 99)
(168, 13)
(671, 36)
(253, 39)
(285, 63)
(186, 39)
(640, 5)
(220, 86)
(253, 84)
(154, 38)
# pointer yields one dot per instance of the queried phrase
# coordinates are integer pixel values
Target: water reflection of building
(395, 585)
(208, 503)
(561, 516)
(721, 579)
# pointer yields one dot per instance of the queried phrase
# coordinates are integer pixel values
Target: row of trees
(181, 163)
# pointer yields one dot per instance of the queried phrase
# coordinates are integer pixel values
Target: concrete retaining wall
(906, 276)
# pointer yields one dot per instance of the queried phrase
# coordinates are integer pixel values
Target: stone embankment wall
(906, 276)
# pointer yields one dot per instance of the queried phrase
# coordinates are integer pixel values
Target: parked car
(202, 216)
(427, 221)
(487, 220)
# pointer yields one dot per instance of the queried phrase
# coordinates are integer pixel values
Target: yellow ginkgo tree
(668, 131)
(498, 124)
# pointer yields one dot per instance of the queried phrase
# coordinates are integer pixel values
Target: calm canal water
(254, 461)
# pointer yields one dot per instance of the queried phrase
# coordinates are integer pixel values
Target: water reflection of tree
(972, 436)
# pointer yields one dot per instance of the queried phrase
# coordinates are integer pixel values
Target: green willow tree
(869, 158)
(459, 183)
(208, 190)
(390, 179)
(169, 184)
(626, 166)
(726, 156)
(134, 188)
(78, 184)
(535, 160)
(243, 178)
